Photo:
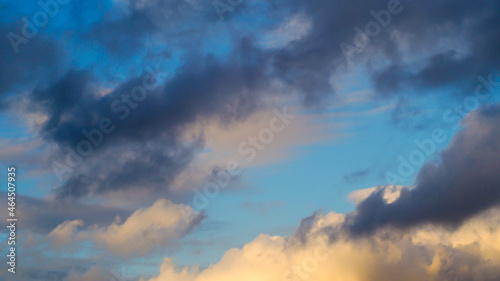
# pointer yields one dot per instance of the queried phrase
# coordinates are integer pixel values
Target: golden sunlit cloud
(432, 253)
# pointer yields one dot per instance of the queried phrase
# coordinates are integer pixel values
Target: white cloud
(147, 229)
(294, 28)
(142, 232)
(427, 253)
(65, 233)
(391, 193)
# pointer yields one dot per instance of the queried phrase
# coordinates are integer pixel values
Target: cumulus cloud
(406, 233)
(425, 253)
(147, 229)
(142, 232)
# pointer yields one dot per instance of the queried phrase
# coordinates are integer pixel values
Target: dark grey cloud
(443, 69)
(472, 31)
(356, 175)
(125, 28)
(308, 63)
(146, 147)
(306, 225)
(36, 62)
(125, 36)
(149, 168)
(462, 184)
(61, 97)
(206, 86)
(202, 90)
(448, 43)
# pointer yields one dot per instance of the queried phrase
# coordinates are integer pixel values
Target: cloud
(409, 234)
(65, 233)
(142, 232)
(463, 183)
(293, 29)
(147, 229)
(456, 43)
(356, 175)
(426, 253)
(140, 171)
(168, 271)
(229, 88)
(224, 141)
(430, 45)
(36, 62)
(227, 92)
(463, 50)
(130, 26)
(390, 193)
(44, 215)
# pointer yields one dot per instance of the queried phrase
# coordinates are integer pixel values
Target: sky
(189, 140)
